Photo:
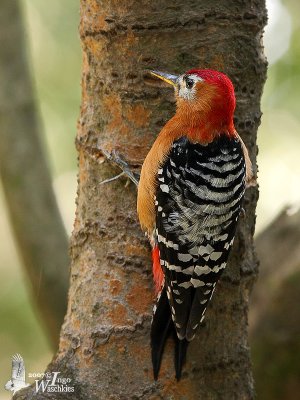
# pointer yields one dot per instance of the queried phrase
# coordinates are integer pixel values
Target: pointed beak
(169, 78)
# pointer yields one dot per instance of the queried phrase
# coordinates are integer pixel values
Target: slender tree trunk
(274, 318)
(275, 342)
(279, 254)
(40, 236)
(104, 343)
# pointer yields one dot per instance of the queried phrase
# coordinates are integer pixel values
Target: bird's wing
(18, 368)
(250, 178)
(175, 259)
(198, 200)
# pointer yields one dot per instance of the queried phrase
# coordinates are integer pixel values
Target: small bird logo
(17, 380)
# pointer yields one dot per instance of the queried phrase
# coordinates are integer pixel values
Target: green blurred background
(55, 56)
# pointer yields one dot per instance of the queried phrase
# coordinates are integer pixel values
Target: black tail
(161, 328)
(180, 355)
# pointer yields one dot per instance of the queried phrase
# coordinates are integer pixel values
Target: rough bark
(37, 226)
(104, 343)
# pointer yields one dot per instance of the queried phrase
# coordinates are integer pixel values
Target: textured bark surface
(38, 229)
(104, 343)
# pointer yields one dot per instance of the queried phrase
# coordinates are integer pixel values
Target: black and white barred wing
(198, 201)
(18, 368)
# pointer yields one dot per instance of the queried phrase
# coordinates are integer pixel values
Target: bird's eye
(189, 83)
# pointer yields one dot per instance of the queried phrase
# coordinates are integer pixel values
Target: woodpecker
(190, 196)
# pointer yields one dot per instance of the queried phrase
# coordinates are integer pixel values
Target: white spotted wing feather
(198, 200)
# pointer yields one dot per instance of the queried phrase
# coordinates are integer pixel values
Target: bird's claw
(123, 165)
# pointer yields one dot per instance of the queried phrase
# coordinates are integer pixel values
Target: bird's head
(10, 386)
(205, 101)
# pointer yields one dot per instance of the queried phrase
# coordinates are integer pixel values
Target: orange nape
(158, 275)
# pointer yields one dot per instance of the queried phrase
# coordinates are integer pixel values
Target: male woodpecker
(189, 199)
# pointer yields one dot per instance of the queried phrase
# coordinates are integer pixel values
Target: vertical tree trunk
(37, 225)
(274, 319)
(104, 343)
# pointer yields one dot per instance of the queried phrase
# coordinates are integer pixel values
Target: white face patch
(186, 87)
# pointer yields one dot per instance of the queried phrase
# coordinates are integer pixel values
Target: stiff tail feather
(161, 328)
(180, 355)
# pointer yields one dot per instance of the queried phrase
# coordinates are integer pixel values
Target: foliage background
(55, 57)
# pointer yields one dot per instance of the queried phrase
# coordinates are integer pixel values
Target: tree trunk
(278, 250)
(36, 222)
(275, 342)
(104, 343)
(274, 319)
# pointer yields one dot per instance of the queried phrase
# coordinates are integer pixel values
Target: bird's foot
(123, 165)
